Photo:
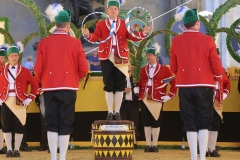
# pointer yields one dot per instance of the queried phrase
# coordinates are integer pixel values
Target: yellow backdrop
(92, 98)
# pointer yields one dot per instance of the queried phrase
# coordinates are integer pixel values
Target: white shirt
(129, 94)
(11, 80)
(114, 41)
(151, 73)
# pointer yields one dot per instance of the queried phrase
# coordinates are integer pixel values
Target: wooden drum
(113, 139)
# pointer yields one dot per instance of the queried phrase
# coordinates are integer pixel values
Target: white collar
(111, 20)
(154, 66)
(10, 67)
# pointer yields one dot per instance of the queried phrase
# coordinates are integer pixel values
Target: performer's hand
(1, 102)
(27, 101)
(165, 98)
(127, 90)
(85, 31)
(217, 85)
(136, 90)
(224, 96)
(147, 29)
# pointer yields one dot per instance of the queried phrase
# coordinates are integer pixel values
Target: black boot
(118, 116)
(214, 153)
(109, 116)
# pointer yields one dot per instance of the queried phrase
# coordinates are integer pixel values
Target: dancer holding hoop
(113, 54)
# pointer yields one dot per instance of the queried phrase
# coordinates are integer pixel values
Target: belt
(11, 91)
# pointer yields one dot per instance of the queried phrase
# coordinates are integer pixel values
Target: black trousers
(216, 122)
(130, 112)
(10, 123)
(59, 110)
(113, 78)
(147, 118)
(196, 108)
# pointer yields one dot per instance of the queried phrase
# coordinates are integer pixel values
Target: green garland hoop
(229, 39)
(6, 26)
(8, 36)
(217, 15)
(38, 16)
(140, 49)
(72, 26)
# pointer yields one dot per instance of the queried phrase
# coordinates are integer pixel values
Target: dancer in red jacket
(152, 95)
(113, 55)
(195, 62)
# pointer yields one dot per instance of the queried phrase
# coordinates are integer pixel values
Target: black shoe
(207, 154)
(147, 149)
(43, 148)
(25, 149)
(118, 116)
(3, 151)
(109, 116)
(9, 153)
(214, 153)
(154, 149)
(16, 153)
(135, 146)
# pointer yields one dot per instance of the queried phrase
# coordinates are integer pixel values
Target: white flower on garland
(206, 14)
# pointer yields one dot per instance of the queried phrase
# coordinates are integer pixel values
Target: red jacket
(60, 63)
(23, 80)
(161, 72)
(194, 60)
(102, 32)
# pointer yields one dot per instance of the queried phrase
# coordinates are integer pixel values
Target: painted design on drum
(113, 154)
(106, 140)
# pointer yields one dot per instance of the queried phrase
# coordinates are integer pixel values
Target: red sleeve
(173, 89)
(34, 86)
(215, 61)
(38, 68)
(139, 34)
(173, 60)
(82, 62)
(93, 37)
(226, 84)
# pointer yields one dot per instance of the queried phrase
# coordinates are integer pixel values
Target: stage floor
(138, 154)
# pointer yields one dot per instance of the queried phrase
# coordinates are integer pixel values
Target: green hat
(113, 3)
(2, 52)
(13, 49)
(63, 16)
(151, 51)
(190, 16)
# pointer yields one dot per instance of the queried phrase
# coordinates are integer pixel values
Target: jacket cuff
(217, 78)
(89, 37)
(226, 91)
(31, 96)
(171, 95)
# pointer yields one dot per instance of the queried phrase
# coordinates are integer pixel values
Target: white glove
(136, 90)
(27, 101)
(224, 96)
(217, 85)
(1, 102)
(165, 98)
